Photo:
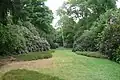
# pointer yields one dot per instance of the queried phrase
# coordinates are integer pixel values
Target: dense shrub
(117, 55)
(34, 42)
(109, 39)
(18, 39)
(104, 35)
(92, 54)
(68, 44)
(89, 40)
(11, 40)
(33, 56)
(57, 45)
(86, 42)
(22, 26)
(52, 44)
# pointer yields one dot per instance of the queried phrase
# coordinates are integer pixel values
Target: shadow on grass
(92, 54)
(22, 74)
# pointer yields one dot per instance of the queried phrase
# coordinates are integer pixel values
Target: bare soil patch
(32, 65)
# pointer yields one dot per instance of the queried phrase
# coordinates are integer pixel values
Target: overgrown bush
(109, 39)
(52, 44)
(18, 39)
(11, 40)
(68, 45)
(86, 42)
(33, 56)
(104, 36)
(92, 54)
(34, 42)
(117, 55)
(89, 40)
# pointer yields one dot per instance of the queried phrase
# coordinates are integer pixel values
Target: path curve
(32, 65)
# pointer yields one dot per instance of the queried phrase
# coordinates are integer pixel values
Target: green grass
(33, 56)
(91, 54)
(70, 66)
(30, 56)
(26, 75)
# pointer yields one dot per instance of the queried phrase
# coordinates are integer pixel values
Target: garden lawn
(70, 66)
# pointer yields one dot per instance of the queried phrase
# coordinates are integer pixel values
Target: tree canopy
(21, 24)
(89, 23)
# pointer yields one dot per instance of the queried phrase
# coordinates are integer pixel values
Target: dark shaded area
(27, 75)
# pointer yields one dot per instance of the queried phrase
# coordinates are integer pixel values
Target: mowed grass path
(70, 66)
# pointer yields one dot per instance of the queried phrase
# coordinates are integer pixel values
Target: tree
(7, 7)
(38, 14)
(21, 24)
(67, 27)
(109, 38)
(83, 13)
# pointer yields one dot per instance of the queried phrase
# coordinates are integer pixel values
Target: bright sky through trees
(55, 4)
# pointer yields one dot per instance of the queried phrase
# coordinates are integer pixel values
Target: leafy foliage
(96, 26)
(67, 31)
(102, 36)
(10, 40)
(11, 6)
(59, 38)
(33, 56)
(117, 55)
(16, 39)
(22, 23)
(38, 14)
(51, 38)
(89, 39)
(86, 42)
(77, 17)
(92, 54)
(109, 39)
